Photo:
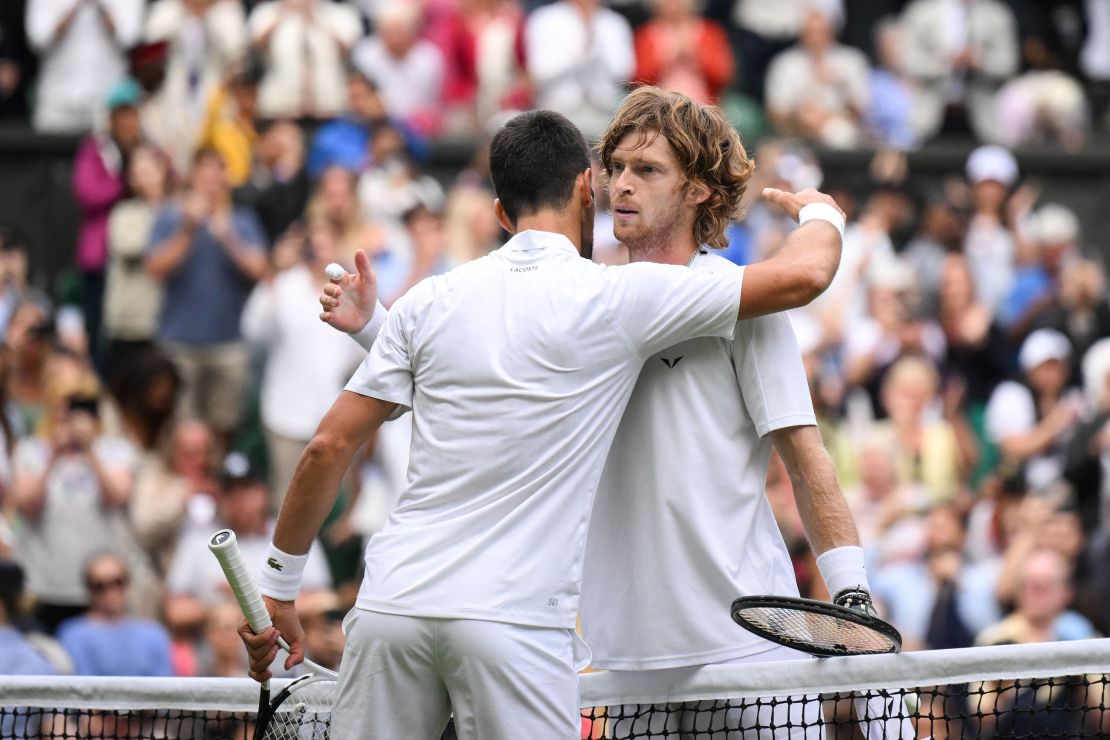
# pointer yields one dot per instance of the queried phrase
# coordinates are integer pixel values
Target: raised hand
(348, 302)
(793, 203)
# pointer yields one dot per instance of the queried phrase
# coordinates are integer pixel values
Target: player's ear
(503, 217)
(697, 193)
(586, 183)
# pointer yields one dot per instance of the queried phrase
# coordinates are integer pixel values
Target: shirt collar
(531, 240)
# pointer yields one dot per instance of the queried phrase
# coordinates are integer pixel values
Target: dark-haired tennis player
(517, 368)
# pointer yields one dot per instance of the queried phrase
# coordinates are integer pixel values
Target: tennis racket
(815, 627)
(302, 709)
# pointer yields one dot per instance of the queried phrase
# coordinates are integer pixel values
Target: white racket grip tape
(226, 549)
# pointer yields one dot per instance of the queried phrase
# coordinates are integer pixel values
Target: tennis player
(681, 523)
(517, 367)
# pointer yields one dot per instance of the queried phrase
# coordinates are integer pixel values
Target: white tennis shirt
(517, 367)
(681, 525)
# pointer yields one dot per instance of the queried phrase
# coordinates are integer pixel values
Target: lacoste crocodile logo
(672, 363)
(273, 563)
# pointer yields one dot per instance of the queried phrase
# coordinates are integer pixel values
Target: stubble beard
(654, 242)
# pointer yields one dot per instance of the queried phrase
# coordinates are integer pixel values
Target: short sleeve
(1010, 411)
(658, 306)
(387, 372)
(167, 222)
(771, 375)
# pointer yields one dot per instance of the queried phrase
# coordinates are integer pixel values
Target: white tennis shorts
(402, 677)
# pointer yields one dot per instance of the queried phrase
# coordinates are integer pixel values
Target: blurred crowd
(959, 363)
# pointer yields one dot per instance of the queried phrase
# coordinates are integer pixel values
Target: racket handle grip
(226, 549)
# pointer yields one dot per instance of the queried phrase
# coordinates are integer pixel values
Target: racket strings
(825, 631)
(305, 714)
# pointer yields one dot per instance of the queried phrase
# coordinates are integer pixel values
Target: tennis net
(1057, 690)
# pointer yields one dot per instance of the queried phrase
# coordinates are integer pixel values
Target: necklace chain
(693, 256)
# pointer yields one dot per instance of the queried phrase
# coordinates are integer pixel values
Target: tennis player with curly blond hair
(681, 525)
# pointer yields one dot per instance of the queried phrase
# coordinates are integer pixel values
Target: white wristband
(822, 212)
(842, 568)
(281, 575)
(367, 334)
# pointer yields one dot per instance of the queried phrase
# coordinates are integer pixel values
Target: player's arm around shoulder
(807, 261)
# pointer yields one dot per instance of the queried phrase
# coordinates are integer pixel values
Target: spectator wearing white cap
(1032, 419)
(990, 243)
(1052, 243)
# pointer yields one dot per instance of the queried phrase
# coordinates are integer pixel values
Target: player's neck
(663, 251)
(569, 226)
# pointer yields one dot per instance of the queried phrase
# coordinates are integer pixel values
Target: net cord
(749, 680)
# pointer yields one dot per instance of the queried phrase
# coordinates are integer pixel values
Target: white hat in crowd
(1055, 224)
(1041, 346)
(992, 162)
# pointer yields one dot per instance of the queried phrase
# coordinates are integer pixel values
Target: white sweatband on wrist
(842, 568)
(822, 212)
(367, 334)
(281, 575)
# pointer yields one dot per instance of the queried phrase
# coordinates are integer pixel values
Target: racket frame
(820, 608)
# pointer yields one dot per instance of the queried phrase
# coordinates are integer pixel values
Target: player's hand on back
(793, 203)
(263, 648)
(348, 302)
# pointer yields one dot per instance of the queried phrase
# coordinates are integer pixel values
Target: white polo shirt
(681, 525)
(517, 367)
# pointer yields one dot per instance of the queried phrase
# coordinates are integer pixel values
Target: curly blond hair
(706, 145)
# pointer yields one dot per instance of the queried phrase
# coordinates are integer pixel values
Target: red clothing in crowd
(696, 60)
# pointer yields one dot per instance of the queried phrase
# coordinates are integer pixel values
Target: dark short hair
(534, 160)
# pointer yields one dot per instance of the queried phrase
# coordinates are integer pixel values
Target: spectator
(229, 127)
(764, 29)
(147, 395)
(208, 254)
(819, 88)
(960, 52)
(280, 318)
(132, 299)
(1041, 612)
(933, 452)
(304, 44)
(279, 185)
(221, 652)
(81, 46)
(1079, 309)
(681, 51)
(16, 62)
(106, 641)
(18, 655)
(408, 70)
(892, 116)
(1051, 244)
(336, 203)
(206, 39)
(346, 141)
(322, 618)
(14, 286)
(582, 75)
(76, 479)
(99, 183)
(1088, 452)
(174, 490)
(1032, 420)
(29, 338)
(243, 505)
(484, 63)
(941, 231)
(990, 241)
(1043, 107)
(1094, 59)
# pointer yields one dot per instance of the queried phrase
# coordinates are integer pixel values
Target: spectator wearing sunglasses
(106, 640)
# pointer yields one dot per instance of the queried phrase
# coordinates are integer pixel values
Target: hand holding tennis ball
(348, 299)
